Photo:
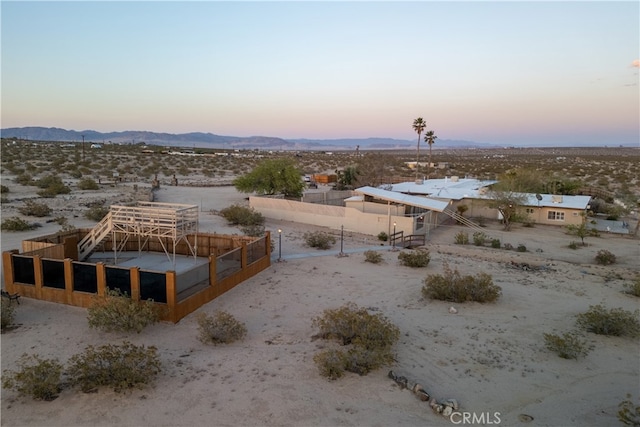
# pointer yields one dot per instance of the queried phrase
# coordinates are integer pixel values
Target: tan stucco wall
(332, 216)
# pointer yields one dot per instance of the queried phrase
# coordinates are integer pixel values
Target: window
(529, 210)
(555, 216)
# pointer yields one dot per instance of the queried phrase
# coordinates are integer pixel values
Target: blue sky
(510, 73)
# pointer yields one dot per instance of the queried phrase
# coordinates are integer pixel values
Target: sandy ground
(490, 357)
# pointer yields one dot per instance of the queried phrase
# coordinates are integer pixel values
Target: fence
(66, 281)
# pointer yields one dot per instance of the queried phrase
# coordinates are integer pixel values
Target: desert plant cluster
(417, 258)
(369, 339)
(455, 287)
(117, 311)
(220, 328)
(319, 239)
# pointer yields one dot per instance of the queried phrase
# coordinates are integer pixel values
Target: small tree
(580, 231)
(273, 176)
(508, 204)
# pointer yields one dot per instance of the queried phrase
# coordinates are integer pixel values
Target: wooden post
(38, 275)
(134, 277)
(101, 279)
(171, 295)
(7, 267)
(244, 255)
(213, 281)
(68, 281)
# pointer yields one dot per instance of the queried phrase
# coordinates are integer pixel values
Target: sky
(511, 73)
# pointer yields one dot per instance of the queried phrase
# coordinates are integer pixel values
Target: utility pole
(83, 148)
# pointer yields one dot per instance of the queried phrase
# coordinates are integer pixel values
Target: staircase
(459, 218)
(89, 242)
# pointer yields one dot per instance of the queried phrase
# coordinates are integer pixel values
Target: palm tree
(418, 126)
(430, 138)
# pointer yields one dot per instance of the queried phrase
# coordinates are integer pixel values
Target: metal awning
(404, 199)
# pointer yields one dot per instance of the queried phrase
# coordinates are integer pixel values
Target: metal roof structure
(446, 188)
(405, 199)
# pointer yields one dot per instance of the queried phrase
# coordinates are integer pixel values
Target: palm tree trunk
(418, 158)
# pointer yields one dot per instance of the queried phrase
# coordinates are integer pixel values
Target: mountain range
(210, 140)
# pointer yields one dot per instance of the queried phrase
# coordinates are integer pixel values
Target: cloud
(636, 63)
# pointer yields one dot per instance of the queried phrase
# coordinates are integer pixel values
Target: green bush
(573, 245)
(628, 413)
(7, 310)
(96, 213)
(17, 224)
(461, 238)
(569, 345)
(616, 321)
(253, 230)
(4, 189)
(382, 236)
(221, 328)
(521, 248)
(416, 259)
(633, 288)
(373, 257)
(495, 243)
(319, 239)
(371, 337)
(33, 208)
(605, 257)
(452, 286)
(242, 215)
(479, 238)
(87, 184)
(51, 186)
(40, 379)
(120, 367)
(118, 312)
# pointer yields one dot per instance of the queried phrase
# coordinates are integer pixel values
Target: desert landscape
(490, 357)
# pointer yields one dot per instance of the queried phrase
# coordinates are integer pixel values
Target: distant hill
(210, 140)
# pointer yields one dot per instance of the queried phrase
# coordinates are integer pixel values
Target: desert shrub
(87, 184)
(373, 257)
(633, 288)
(64, 222)
(254, 230)
(117, 312)
(508, 246)
(221, 328)
(605, 257)
(628, 413)
(17, 224)
(521, 248)
(24, 179)
(382, 236)
(96, 213)
(33, 208)
(331, 363)
(242, 215)
(4, 189)
(452, 286)
(40, 379)
(7, 313)
(371, 337)
(319, 239)
(416, 259)
(569, 345)
(479, 238)
(461, 238)
(573, 245)
(121, 367)
(616, 321)
(51, 186)
(495, 243)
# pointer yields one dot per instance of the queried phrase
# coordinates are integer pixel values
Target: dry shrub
(416, 259)
(17, 224)
(37, 378)
(633, 288)
(461, 238)
(33, 208)
(118, 312)
(370, 337)
(616, 321)
(605, 257)
(7, 312)
(452, 286)
(569, 345)
(120, 367)
(242, 215)
(373, 257)
(221, 328)
(319, 239)
(629, 413)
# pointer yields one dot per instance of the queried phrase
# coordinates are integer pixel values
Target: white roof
(405, 199)
(446, 188)
(551, 200)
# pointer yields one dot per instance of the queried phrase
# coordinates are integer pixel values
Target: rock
(447, 411)
(392, 375)
(402, 381)
(453, 403)
(452, 310)
(423, 395)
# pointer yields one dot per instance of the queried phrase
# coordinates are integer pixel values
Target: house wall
(479, 208)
